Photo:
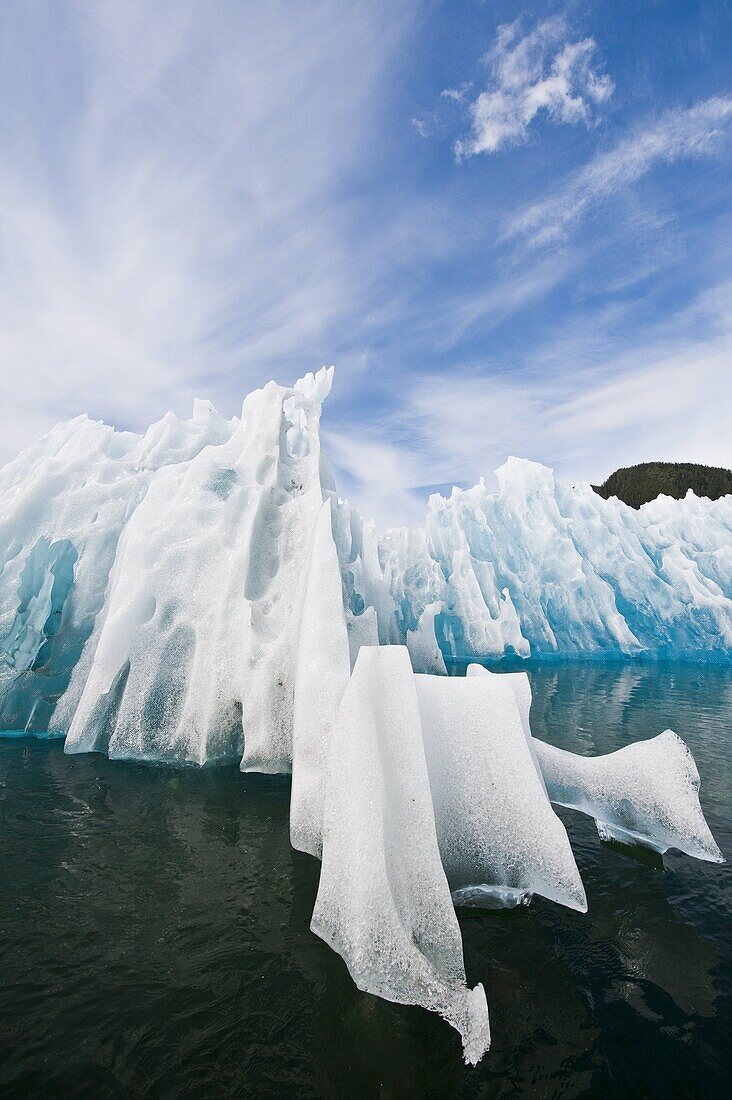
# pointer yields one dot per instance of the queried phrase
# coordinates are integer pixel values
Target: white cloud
(379, 476)
(540, 71)
(680, 134)
(667, 397)
(173, 216)
(421, 127)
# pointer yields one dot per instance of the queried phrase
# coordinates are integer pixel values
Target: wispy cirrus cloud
(665, 396)
(545, 70)
(197, 197)
(692, 132)
(174, 214)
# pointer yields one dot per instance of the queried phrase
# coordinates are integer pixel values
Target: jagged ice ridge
(150, 559)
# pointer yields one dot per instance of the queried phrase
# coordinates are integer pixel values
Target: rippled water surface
(154, 935)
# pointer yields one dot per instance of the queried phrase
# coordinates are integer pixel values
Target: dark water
(154, 935)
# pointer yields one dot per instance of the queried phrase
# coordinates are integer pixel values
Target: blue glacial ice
(64, 503)
(151, 587)
(546, 569)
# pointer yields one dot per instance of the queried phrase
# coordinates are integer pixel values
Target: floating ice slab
(496, 829)
(641, 794)
(645, 793)
(384, 902)
(519, 683)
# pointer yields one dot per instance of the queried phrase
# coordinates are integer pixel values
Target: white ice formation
(495, 826)
(384, 902)
(436, 794)
(155, 582)
(199, 635)
(645, 793)
(201, 594)
(543, 568)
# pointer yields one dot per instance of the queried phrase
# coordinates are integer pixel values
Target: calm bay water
(154, 935)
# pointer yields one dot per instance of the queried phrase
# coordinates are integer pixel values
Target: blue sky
(508, 226)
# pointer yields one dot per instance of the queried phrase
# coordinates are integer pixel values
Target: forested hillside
(637, 484)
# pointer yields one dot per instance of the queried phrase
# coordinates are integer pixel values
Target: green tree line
(638, 484)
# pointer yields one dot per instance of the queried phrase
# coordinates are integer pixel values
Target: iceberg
(198, 638)
(646, 793)
(436, 794)
(541, 569)
(151, 586)
(545, 569)
(383, 901)
(497, 833)
(201, 593)
(64, 504)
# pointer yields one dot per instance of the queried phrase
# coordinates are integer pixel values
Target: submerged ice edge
(34, 735)
(647, 791)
